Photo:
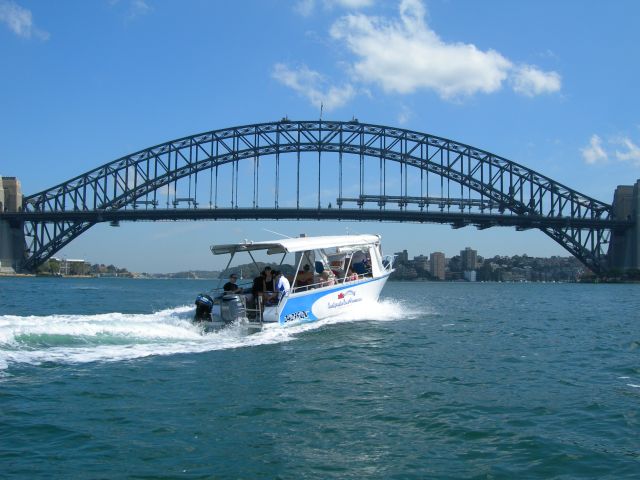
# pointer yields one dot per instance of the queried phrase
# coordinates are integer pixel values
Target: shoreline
(28, 275)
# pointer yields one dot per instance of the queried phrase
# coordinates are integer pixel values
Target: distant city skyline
(80, 87)
(469, 266)
(473, 255)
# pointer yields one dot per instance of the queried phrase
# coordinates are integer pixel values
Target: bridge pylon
(12, 240)
(624, 248)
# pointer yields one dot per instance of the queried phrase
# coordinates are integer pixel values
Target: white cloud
(405, 55)
(134, 8)
(352, 4)
(405, 115)
(20, 20)
(530, 81)
(631, 155)
(138, 8)
(304, 7)
(594, 153)
(313, 86)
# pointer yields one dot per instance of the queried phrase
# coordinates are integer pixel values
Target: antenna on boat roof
(277, 233)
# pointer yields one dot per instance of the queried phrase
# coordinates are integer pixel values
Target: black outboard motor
(204, 304)
(232, 308)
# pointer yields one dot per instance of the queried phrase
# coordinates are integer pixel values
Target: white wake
(117, 336)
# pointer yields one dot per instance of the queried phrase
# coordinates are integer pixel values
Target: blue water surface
(107, 378)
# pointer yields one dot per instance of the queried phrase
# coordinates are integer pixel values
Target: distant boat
(334, 275)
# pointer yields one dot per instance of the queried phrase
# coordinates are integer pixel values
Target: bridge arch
(488, 189)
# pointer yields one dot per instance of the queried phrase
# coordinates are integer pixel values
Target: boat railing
(257, 311)
(336, 281)
(387, 262)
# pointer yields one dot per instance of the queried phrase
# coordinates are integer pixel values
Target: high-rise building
(468, 259)
(421, 262)
(436, 263)
(402, 257)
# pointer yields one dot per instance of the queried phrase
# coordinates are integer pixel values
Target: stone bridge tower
(12, 242)
(624, 249)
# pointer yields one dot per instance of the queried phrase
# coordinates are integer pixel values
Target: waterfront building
(469, 259)
(72, 266)
(436, 263)
(421, 262)
(402, 257)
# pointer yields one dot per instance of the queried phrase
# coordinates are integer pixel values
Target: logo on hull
(344, 298)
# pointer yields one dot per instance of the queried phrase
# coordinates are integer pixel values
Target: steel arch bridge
(317, 170)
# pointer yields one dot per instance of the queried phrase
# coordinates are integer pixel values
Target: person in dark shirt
(258, 287)
(231, 285)
(258, 290)
(268, 280)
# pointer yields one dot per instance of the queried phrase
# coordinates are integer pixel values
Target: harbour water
(107, 378)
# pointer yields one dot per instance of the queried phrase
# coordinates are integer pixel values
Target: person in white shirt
(282, 287)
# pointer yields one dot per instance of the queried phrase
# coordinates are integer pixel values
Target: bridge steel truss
(488, 190)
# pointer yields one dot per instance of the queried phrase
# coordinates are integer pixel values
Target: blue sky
(551, 85)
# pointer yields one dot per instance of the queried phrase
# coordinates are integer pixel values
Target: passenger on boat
(351, 275)
(258, 287)
(358, 262)
(231, 285)
(282, 288)
(304, 278)
(327, 280)
(268, 280)
(282, 284)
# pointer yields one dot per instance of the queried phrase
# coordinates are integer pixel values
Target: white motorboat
(335, 275)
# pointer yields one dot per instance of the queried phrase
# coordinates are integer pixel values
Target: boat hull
(316, 304)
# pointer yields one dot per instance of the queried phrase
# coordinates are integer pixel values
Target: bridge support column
(12, 242)
(624, 249)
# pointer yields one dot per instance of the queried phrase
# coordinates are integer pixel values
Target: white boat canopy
(299, 244)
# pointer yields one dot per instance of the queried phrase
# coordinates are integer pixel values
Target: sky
(551, 85)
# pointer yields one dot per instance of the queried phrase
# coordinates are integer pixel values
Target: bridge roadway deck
(456, 219)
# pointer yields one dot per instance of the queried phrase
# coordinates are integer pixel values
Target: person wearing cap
(231, 285)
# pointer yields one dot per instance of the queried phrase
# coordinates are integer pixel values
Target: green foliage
(50, 267)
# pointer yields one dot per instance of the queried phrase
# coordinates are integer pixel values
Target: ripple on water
(486, 380)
